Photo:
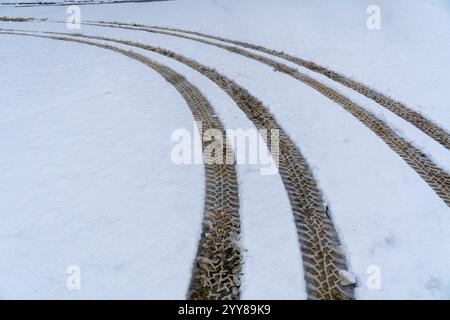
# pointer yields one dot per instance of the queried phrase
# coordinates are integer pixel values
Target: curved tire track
(216, 273)
(323, 259)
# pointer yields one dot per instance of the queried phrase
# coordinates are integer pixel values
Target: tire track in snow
(430, 128)
(323, 259)
(216, 272)
(434, 176)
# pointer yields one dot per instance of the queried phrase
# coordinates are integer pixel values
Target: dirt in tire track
(216, 271)
(400, 109)
(322, 255)
(434, 176)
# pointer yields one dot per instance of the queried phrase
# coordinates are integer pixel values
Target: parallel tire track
(321, 252)
(415, 118)
(216, 272)
(435, 177)
(323, 258)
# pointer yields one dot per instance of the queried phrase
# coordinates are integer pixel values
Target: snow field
(385, 213)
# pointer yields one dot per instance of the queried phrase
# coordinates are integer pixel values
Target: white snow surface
(86, 172)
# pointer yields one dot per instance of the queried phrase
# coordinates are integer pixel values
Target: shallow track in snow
(415, 118)
(435, 177)
(216, 272)
(323, 258)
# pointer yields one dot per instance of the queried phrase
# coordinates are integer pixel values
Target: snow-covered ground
(86, 173)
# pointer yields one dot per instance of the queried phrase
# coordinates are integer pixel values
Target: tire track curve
(439, 134)
(323, 259)
(435, 177)
(216, 271)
